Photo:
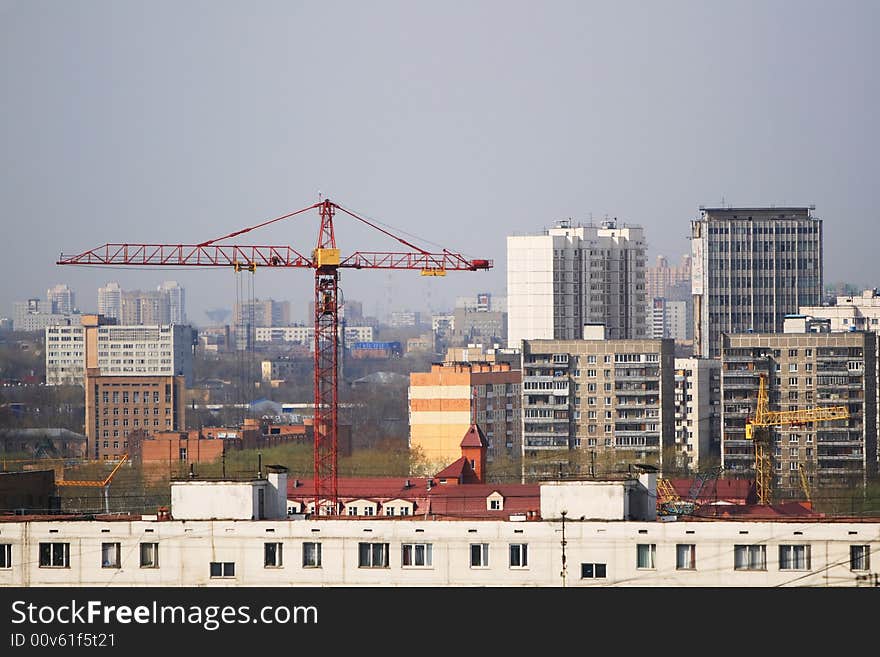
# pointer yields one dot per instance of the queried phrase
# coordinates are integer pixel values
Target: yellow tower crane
(757, 430)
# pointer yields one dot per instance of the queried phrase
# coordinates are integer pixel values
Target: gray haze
(179, 121)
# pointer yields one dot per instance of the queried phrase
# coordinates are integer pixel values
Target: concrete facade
(750, 268)
(137, 350)
(697, 413)
(598, 553)
(608, 397)
(803, 371)
(305, 335)
(571, 276)
(32, 315)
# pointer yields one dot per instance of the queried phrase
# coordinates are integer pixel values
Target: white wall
(186, 550)
(206, 500)
(584, 499)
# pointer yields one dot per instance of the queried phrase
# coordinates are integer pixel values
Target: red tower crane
(326, 261)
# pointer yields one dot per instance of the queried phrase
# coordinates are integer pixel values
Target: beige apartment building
(803, 370)
(610, 398)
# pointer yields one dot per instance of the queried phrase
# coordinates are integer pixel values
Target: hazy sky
(458, 122)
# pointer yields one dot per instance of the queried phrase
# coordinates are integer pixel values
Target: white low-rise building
(229, 534)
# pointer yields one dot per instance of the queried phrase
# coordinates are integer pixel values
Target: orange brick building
(118, 405)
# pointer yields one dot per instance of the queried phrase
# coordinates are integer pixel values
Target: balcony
(731, 358)
(737, 384)
(544, 444)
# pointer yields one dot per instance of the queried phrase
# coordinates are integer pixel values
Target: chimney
(429, 483)
(407, 484)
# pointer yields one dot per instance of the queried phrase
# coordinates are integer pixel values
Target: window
(750, 557)
(685, 556)
(149, 555)
(272, 555)
(859, 557)
(5, 555)
(54, 555)
(415, 555)
(519, 555)
(109, 555)
(311, 555)
(222, 569)
(645, 554)
(794, 557)
(372, 555)
(593, 570)
(479, 555)
(495, 505)
(792, 367)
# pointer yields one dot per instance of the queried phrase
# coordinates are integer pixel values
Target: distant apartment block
(261, 313)
(35, 315)
(420, 343)
(404, 318)
(576, 275)
(305, 335)
(441, 403)
(284, 368)
(697, 413)
(669, 319)
(176, 301)
(164, 305)
(117, 351)
(60, 299)
(483, 302)
(614, 398)
(751, 267)
(110, 300)
(474, 325)
(661, 277)
(804, 370)
(116, 406)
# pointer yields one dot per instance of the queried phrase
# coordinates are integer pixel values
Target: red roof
(474, 437)
(465, 501)
(734, 491)
(460, 470)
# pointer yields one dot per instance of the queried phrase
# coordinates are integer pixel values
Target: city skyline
(633, 111)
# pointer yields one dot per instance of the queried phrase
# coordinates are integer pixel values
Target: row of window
(751, 557)
(420, 555)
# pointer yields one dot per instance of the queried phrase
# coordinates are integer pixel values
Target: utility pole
(564, 566)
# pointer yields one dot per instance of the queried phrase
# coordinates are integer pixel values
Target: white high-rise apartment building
(751, 267)
(176, 301)
(576, 275)
(161, 350)
(110, 301)
(60, 299)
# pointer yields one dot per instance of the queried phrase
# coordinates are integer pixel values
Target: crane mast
(758, 431)
(326, 260)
